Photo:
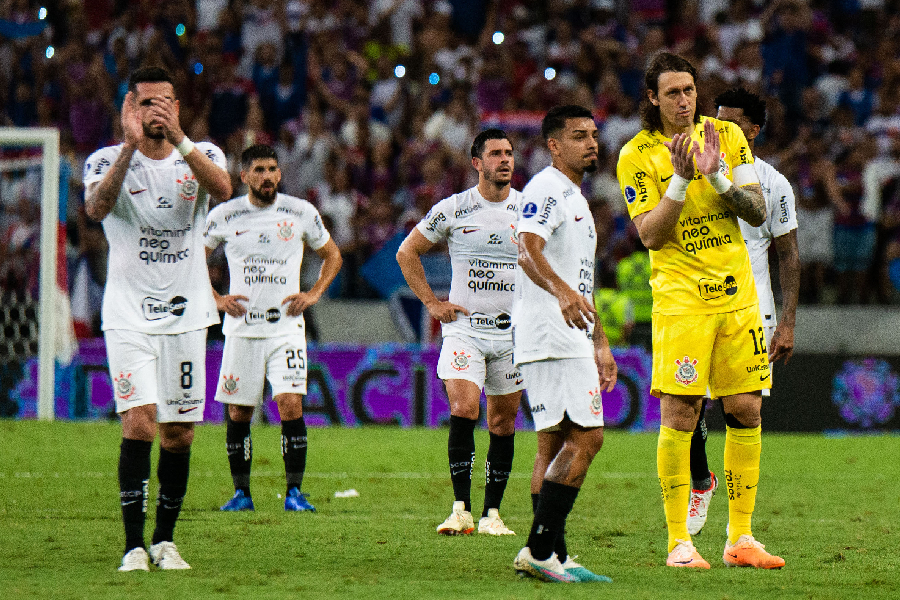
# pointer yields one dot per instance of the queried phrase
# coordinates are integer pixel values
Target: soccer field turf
(828, 506)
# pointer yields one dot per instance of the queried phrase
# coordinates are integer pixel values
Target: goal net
(34, 306)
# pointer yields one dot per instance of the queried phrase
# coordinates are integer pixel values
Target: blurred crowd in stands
(372, 106)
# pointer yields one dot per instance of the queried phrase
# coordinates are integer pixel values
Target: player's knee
(240, 414)
(176, 437)
(501, 425)
(742, 419)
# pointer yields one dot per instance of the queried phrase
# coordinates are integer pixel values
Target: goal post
(47, 138)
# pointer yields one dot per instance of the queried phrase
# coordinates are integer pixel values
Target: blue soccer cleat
(581, 574)
(297, 502)
(240, 501)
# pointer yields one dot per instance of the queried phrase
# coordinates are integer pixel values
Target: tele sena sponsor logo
(155, 309)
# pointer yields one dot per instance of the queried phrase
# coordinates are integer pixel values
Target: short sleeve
(542, 212)
(782, 209)
(99, 163)
(638, 187)
(736, 147)
(213, 153)
(315, 235)
(213, 235)
(436, 224)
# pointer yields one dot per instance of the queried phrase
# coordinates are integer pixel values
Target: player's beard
(153, 134)
(591, 166)
(266, 197)
(498, 179)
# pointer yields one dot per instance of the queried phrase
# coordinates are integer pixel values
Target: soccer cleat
(295, 501)
(135, 560)
(459, 522)
(240, 501)
(699, 505)
(550, 570)
(685, 555)
(165, 556)
(747, 552)
(493, 525)
(581, 574)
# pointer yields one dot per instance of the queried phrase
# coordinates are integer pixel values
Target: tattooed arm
(747, 202)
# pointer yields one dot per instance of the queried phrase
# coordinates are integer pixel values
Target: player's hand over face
(445, 312)
(297, 303)
(606, 367)
(708, 160)
(782, 345)
(681, 151)
(577, 311)
(232, 305)
(132, 129)
(164, 111)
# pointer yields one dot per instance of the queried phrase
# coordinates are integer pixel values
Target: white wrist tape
(184, 148)
(677, 189)
(719, 182)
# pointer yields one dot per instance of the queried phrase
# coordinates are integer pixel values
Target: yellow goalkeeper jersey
(703, 268)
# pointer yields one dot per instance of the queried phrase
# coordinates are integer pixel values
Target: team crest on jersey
(686, 373)
(124, 386)
(514, 236)
(460, 361)
(723, 165)
(285, 231)
(189, 187)
(230, 386)
(596, 402)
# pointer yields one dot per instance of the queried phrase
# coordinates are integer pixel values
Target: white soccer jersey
(264, 248)
(781, 219)
(554, 208)
(157, 281)
(483, 257)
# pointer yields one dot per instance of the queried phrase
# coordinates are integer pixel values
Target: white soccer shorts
(248, 362)
(486, 363)
(166, 370)
(564, 386)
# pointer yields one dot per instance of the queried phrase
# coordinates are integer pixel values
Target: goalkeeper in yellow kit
(687, 180)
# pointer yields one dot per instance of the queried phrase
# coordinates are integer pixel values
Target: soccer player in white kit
(748, 111)
(480, 226)
(152, 194)
(265, 234)
(560, 345)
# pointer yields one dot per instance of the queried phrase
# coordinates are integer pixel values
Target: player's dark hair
(556, 118)
(482, 138)
(753, 106)
(257, 152)
(664, 62)
(149, 75)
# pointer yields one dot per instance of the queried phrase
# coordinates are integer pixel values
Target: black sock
(293, 449)
(699, 464)
(535, 498)
(172, 472)
(497, 468)
(134, 477)
(554, 506)
(240, 453)
(461, 452)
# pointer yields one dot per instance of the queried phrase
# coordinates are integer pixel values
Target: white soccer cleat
(699, 506)
(459, 522)
(550, 570)
(135, 560)
(492, 524)
(165, 556)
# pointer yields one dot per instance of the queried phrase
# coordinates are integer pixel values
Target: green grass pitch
(828, 506)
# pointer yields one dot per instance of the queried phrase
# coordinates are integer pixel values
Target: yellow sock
(673, 464)
(742, 451)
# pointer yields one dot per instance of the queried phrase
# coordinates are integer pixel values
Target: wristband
(719, 182)
(185, 146)
(677, 189)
